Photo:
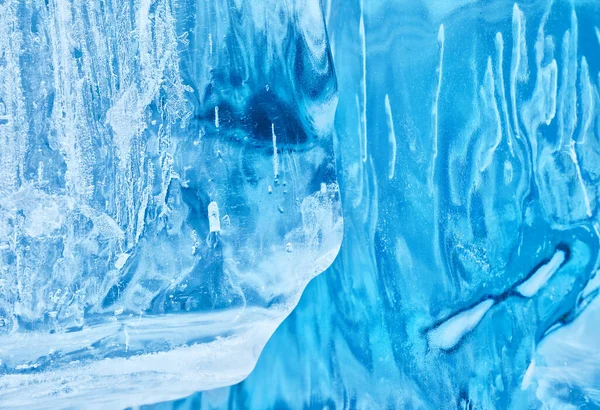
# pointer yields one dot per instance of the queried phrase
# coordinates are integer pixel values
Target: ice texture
(469, 162)
(167, 190)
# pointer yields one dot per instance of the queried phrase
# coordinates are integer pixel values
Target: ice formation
(167, 190)
(467, 137)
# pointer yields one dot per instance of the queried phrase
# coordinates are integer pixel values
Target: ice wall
(468, 154)
(167, 190)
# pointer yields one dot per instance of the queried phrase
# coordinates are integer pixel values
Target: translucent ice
(167, 190)
(468, 141)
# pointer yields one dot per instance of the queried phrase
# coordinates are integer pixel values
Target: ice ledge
(140, 379)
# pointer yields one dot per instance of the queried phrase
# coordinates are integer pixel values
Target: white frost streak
(488, 95)
(431, 177)
(500, 89)
(519, 48)
(275, 155)
(214, 222)
(13, 132)
(363, 113)
(586, 198)
(435, 109)
(587, 101)
(532, 285)
(449, 333)
(121, 260)
(391, 137)
(69, 108)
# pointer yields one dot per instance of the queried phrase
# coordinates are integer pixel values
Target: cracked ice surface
(468, 148)
(167, 190)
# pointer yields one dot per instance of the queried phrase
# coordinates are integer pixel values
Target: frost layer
(167, 190)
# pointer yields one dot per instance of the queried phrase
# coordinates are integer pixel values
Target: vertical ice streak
(587, 101)
(13, 128)
(435, 107)
(500, 89)
(363, 112)
(68, 115)
(567, 93)
(518, 68)
(391, 138)
(275, 154)
(214, 219)
(437, 250)
(567, 104)
(357, 168)
(488, 94)
(584, 193)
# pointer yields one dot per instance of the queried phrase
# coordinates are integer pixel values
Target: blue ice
(167, 190)
(169, 186)
(467, 142)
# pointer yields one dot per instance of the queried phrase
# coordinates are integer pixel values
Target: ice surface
(167, 190)
(468, 155)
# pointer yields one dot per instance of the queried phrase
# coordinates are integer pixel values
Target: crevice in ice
(447, 334)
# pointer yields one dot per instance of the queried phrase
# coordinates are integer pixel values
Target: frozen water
(167, 190)
(468, 155)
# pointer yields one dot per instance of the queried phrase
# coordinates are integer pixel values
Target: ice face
(168, 189)
(468, 155)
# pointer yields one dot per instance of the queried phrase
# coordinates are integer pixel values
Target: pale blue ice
(167, 190)
(174, 173)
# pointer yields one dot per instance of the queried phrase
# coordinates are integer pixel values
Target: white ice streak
(214, 222)
(587, 101)
(447, 335)
(391, 137)
(435, 108)
(121, 260)
(363, 113)
(500, 89)
(275, 154)
(519, 66)
(532, 285)
(488, 95)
